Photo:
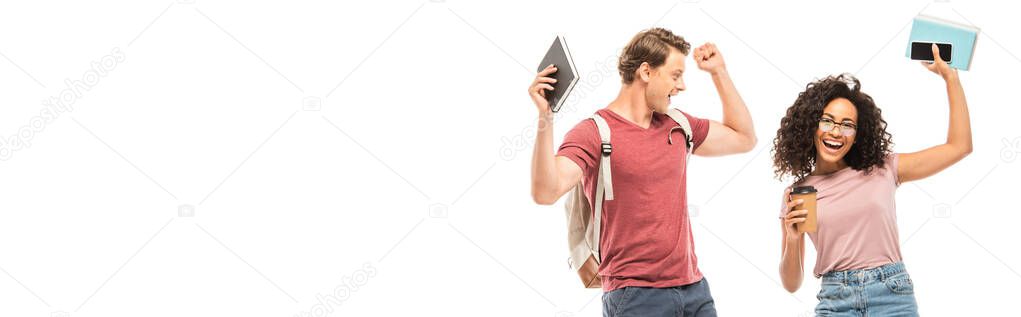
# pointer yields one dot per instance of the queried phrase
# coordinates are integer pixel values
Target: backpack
(583, 221)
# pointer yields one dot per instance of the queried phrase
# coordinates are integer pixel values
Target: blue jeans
(883, 291)
(687, 300)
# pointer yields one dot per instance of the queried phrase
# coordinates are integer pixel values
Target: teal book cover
(961, 36)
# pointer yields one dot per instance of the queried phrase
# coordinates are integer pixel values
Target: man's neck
(631, 105)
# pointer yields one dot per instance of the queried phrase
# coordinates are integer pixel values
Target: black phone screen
(923, 51)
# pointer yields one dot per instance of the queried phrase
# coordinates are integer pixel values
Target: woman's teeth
(833, 144)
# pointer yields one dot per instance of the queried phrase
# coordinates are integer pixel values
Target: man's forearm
(735, 113)
(543, 161)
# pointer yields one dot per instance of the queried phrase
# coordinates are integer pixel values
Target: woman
(834, 139)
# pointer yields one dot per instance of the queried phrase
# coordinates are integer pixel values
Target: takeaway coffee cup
(806, 193)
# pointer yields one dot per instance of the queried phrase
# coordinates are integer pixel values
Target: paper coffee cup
(806, 193)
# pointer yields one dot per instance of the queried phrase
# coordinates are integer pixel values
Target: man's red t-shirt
(646, 236)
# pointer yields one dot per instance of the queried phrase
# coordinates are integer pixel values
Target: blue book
(936, 30)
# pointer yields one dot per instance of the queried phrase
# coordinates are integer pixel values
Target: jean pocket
(833, 291)
(902, 285)
(614, 300)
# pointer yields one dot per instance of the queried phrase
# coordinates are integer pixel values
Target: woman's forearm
(959, 131)
(791, 262)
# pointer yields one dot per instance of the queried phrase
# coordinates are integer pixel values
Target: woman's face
(840, 117)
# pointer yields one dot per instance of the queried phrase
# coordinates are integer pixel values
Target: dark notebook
(566, 74)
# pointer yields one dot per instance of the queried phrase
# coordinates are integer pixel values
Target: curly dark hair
(794, 151)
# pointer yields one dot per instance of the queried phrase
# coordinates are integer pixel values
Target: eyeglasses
(827, 125)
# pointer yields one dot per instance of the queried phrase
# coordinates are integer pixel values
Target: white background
(408, 192)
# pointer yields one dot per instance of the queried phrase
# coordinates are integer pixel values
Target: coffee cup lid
(803, 190)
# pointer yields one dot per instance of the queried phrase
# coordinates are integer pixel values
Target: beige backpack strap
(605, 179)
(604, 182)
(682, 120)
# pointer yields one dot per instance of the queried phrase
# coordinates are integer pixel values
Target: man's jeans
(688, 300)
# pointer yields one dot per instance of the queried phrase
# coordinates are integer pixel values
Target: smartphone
(922, 51)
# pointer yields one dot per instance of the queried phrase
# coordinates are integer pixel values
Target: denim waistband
(864, 275)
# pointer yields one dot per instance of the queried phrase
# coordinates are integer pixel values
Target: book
(936, 30)
(566, 74)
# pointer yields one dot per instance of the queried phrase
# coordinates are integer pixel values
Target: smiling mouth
(836, 145)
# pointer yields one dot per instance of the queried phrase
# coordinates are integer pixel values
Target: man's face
(665, 81)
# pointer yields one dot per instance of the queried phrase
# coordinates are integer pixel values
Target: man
(648, 265)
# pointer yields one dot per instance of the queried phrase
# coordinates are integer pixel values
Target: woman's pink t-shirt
(856, 217)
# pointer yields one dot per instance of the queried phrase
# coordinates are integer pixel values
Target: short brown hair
(649, 46)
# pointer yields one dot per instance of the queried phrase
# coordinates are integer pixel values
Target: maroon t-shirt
(646, 236)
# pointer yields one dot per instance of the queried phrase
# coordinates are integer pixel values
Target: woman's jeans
(883, 291)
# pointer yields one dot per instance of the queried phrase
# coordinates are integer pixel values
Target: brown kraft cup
(806, 193)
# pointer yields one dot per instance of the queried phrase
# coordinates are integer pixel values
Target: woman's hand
(792, 218)
(792, 254)
(938, 66)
